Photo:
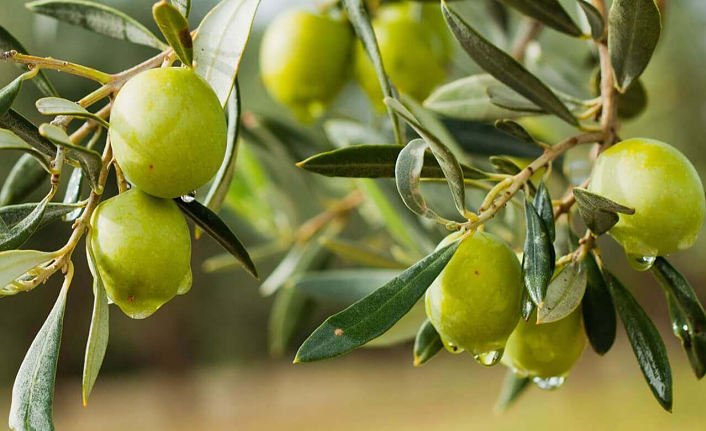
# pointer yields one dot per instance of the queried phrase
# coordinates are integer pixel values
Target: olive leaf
(513, 387)
(595, 19)
(527, 307)
(99, 332)
(364, 30)
(548, 12)
(359, 253)
(598, 310)
(515, 129)
(58, 106)
(22, 231)
(24, 178)
(634, 27)
(219, 231)
(221, 183)
(645, 341)
(537, 261)
(467, 99)
(373, 315)
(91, 161)
(506, 98)
(345, 133)
(599, 213)
(9, 43)
(9, 93)
(505, 68)
(14, 214)
(545, 209)
(289, 312)
(564, 294)
(220, 42)
(447, 160)
(694, 345)
(175, 28)
(97, 18)
(427, 344)
(33, 391)
(16, 263)
(375, 161)
(73, 194)
(27, 131)
(10, 141)
(184, 7)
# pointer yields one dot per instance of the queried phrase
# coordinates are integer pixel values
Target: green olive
(414, 51)
(662, 186)
(474, 303)
(142, 251)
(304, 61)
(168, 131)
(546, 350)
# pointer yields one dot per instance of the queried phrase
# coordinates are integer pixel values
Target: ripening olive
(474, 303)
(662, 186)
(414, 52)
(304, 61)
(142, 251)
(546, 350)
(168, 131)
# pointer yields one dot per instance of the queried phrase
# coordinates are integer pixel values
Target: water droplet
(450, 346)
(185, 285)
(488, 359)
(548, 383)
(641, 263)
(189, 197)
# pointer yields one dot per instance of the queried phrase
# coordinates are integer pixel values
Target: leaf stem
(54, 64)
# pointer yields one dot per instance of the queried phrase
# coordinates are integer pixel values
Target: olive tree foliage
(412, 178)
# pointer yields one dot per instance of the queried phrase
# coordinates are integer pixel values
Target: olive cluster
(168, 135)
(305, 58)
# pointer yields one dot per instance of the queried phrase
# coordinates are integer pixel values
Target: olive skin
(662, 186)
(474, 303)
(304, 60)
(414, 54)
(168, 131)
(548, 349)
(142, 251)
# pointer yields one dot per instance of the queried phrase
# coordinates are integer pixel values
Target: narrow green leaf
(27, 131)
(675, 283)
(9, 93)
(33, 391)
(505, 68)
(364, 29)
(537, 262)
(595, 19)
(10, 141)
(175, 28)
(289, 312)
(73, 194)
(503, 165)
(22, 231)
(548, 12)
(373, 315)
(515, 129)
(375, 161)
(634, 29)
(13, 214)
(359, 253)
(219, 231)
(91, 161)
(9, 43)
(447, 160)
(564, 294)
(599, 213)
(57, 106)
(407, 172)
(467, 99)
(221, 183)
(345, 133)
(509, 99)
(427, 344)
(545, 209)
(645, 341)
(24, 178)
(15, 263)
(184, 7)
(97, 18)
(598, 309)
(220, 41)
(513, 387)
(527, 306)
(100, 329)
(694, 344)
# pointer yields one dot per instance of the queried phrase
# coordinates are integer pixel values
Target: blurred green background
(201, 363)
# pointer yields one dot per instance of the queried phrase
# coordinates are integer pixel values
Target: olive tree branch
(54, 64)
